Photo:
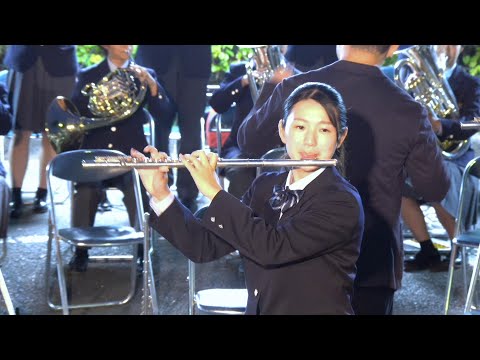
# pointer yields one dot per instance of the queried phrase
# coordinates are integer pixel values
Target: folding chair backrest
(472, 168)
(68, 166)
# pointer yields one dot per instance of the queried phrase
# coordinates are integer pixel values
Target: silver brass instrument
(115, 97)
(426, 83)
(131, 162)
(471, 125)
(266, 59)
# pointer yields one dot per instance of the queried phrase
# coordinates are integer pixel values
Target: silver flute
(128, 161)
(471, 125)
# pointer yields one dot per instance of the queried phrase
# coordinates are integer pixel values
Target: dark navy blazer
(126, 133)
(195, 60)
(388, 134)
(231, 91)
(303, 263)
(59, 60)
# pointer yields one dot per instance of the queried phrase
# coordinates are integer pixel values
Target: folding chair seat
(464, 238)
(68, 166)
(215, 300)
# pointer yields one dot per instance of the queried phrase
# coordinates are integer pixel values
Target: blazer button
(113, 128)
(255, 292)
(212, 219)
(110, 146)
(220, 226)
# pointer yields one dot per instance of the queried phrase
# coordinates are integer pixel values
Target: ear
(342, 138)
(392, 50)
(281, 131)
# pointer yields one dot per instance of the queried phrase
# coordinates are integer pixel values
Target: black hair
(332, 102)
(379, 49)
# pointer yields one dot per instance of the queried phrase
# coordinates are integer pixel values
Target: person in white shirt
(122, 135)
(300, 245)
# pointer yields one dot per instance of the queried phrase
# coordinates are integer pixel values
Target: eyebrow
(323, 121)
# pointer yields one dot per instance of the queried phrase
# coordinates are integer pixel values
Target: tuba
(115, 97)
(263, 63)
(422, 76)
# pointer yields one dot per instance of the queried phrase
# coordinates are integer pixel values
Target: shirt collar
(449, 72)
(302, 183)
(114, 67)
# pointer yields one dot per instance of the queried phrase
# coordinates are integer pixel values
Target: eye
(325, 130)
(300, 127)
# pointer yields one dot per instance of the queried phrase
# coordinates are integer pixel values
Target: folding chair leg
(451, 268)
(6, 295)
(473, 283)
(191, 288)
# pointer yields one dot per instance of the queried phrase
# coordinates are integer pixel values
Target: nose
(310, 138)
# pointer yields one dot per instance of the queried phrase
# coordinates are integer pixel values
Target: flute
(131, 162)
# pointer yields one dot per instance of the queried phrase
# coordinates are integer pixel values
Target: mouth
(308, 157)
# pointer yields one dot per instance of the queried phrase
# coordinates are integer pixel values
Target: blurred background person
(5, 127)
(122, 136)
(37, 74)
(310, 57)
(466, 90)
(184, 71)
(234, 90)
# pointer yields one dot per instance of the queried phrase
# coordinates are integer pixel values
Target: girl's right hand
(155, 180)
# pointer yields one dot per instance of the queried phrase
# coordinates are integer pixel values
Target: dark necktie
(284, 198)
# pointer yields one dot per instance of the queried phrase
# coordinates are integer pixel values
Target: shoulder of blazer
(94, 72)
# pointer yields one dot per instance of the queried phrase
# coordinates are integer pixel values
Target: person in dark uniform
(37, 74)
(300, 245)
(310, 57)
(389, 134)
(5, 127)
(184, 71)
(466, 89)
(122, 136)
(235, 89)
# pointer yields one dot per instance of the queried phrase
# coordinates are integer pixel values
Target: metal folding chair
(463, 238)
(68, 166)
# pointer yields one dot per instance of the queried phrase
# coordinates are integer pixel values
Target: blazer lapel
(311, 190)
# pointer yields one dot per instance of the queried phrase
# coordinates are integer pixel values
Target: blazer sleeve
(5, 114)
(421, 171)
(336, 219)
(469, 109)
(230, 91)
(186, 233)
(258, 133)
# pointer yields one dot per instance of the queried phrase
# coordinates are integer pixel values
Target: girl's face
(309, 135)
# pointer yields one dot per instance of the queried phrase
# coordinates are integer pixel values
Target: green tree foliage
(223, 56)
(471, 59)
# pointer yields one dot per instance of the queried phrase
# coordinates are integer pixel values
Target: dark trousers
(189, 96)
(373, 300)
(87, 196)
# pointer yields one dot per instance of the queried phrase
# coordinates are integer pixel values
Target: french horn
(114, 98)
